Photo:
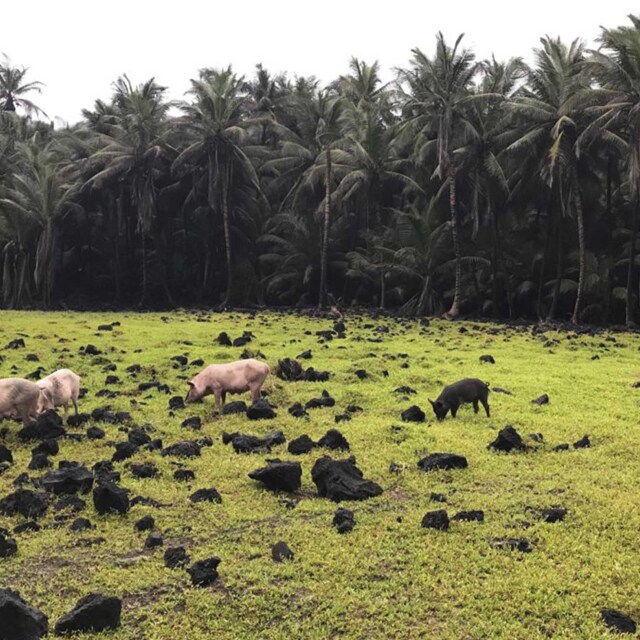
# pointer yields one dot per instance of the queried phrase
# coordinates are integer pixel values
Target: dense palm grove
(463, 187)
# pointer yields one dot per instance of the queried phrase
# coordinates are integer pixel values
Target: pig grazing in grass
(58, 389)
(467, 390)
(234, 377)
(18, 397)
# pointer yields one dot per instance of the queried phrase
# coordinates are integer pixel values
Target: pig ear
(433, 404)
(191, 384)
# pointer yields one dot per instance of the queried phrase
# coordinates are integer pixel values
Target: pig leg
(485, 404)
(66, 409)
(217, 394)
(475, 406)
(75, 403)
(454, 410)
(224, 398)
(255, 391)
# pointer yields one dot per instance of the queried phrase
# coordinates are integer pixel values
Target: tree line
(464, 186)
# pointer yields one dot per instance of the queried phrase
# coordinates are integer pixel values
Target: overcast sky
(79, 47)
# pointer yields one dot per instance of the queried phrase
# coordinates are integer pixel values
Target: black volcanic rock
(20, 621)
(342, 480)
(443, 461)
(94, 612)
(279, 476)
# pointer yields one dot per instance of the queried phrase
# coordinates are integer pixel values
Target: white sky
(79, 47)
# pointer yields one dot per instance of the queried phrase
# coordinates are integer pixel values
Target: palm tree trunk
(556, 288)
(630, 297)
(454, 311)
(227, 237)
(325, 232)
(143, 299)
(577, 203)
(547, 246)
(609, 256)
(494, 259)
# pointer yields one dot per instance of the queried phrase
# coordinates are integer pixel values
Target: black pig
(467, 390)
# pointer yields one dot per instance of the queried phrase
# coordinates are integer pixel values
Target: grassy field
(388, 578)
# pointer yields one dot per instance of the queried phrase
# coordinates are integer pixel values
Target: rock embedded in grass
(334, 440)
(341, 480)
(206, 495)
(238, 406)
(145, 470)
(8, 546)
(94, 612)
(81, 524)
(109, 497)
(154, 539)
(138, 437)
(47, 425)
(413, 414)
(30, 525)
(70, 479)
(297, 410)
(146, 523)
(436, 520)
(553, 514)
(204, 572)
(543, 399)
(20, 621)
(175, 557)
(508, 440)
(618, 622)
(260, 410)
(487, 359)
(5, 454)
(184, 475)
(469, 516)
(583, 443)
(344, 520)
(243, 443)
(25, 502)
(184, 449)
(443, 461)
(325, 400)
(300, 445)
(279, 476)
(512, 544)
(280, 552)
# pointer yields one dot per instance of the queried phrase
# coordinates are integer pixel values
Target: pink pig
(58, 389)
(18, 397)
(234, 377)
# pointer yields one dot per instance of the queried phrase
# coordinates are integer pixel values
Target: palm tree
(216, 126)
(545, 133)
(134, 153)
(13, 89)
(616, 67)
(439, 91)
(478, 158)
(40, 195)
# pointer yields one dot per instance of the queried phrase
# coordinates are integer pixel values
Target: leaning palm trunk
(577, 203)
(227, 238)
(454, 311)
(325, 232)
(630, 297)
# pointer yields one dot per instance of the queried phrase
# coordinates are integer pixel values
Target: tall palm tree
(40, 195)
(215, 124)
(545, 133)
(437, 95)
(616, 67)
(13, 89)
(478, 157)
(134, 153)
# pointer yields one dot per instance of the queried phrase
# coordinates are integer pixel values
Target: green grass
(389, 578)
